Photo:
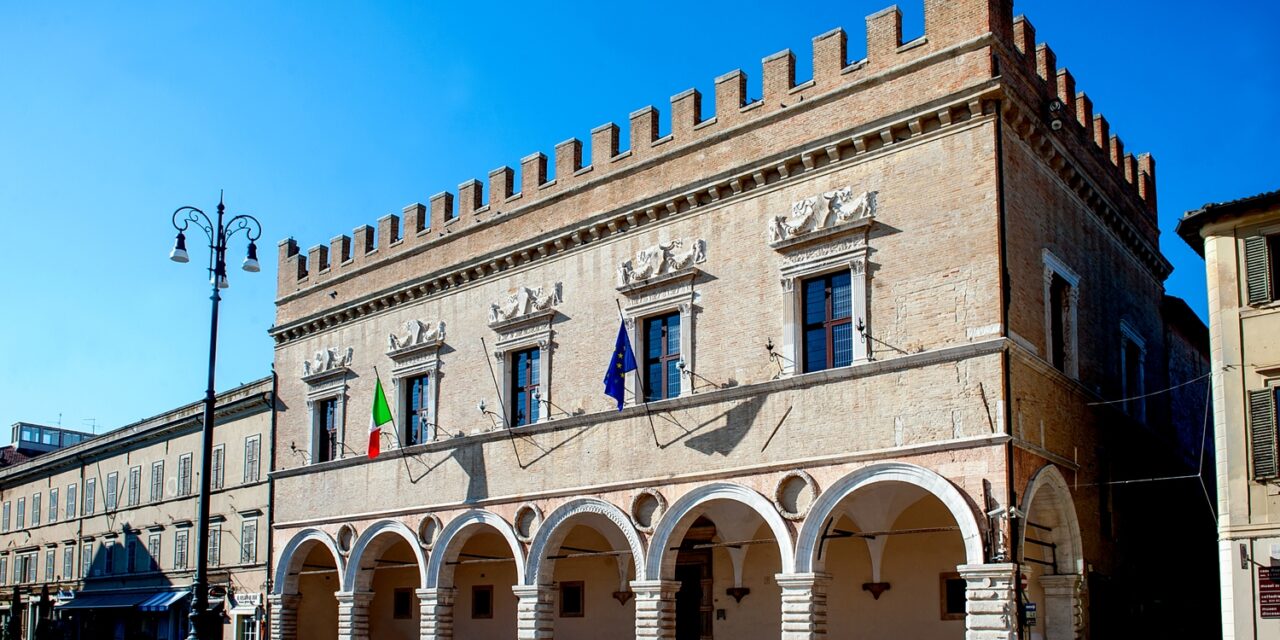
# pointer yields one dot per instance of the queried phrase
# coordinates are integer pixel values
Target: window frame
(157, 481)
(71, 500)
(249, 541)
(943, 579)
(112, 492)
(4, 569)
(252, 464)
(54, 505)
(424, 430)
(50, 562)
(185, 461)
(215, 544)
(828, 324)
(533, 329)
(414, 357)
(581, 611)
(35, 509)
(218, 468)
(531, 390)
(20, 520)
(181, 544)
(154, 548)
(6, 516)
(1133, 390)
(134, 495)
(476, 613)
(1055, 267)
(664, 357)
(86, 558)
(90, 493)
(324, 387)
(68, 561)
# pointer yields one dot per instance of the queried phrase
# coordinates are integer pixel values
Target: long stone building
(97, 539)
(882, 318)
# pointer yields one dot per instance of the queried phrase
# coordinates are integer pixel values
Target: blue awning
(161, 602)
(107, 600)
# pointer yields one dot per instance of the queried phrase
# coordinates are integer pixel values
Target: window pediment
(327, 363)
(420, 339)
(525, 305)
(826, 216)
(661, 264)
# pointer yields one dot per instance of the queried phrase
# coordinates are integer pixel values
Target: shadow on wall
(126, 565)
(471, 458)
(738, 420)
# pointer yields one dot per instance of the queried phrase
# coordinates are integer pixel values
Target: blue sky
(318, 117)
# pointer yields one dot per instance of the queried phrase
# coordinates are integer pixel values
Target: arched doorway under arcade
(711, 567)
(1050, 556)
(471, 572)
(303, 602)
(385, 572)
(583, 559)
(894, 550)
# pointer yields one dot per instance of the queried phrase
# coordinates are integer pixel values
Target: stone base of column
(655, 609)
(804, 605)
(989, 601)
(533, 612)
(1063, 616)
(435, 617)
(283, 615)
(353, 615)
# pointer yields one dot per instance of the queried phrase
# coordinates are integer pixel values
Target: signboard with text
(1269, 591)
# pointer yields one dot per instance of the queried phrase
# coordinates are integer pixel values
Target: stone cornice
(840, 150)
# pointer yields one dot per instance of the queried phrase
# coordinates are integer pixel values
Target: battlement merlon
(948, 24)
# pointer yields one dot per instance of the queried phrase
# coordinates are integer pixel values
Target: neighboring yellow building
(97, 539)
(1240, 243)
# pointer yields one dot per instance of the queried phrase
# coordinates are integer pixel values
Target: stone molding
(565, 515)
(457, 529)
(658, 263)
(821, 216)
(419, 337)
(525, 304)
(326, 363)
(660, 560)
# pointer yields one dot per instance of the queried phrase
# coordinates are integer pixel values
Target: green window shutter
(1257, 275)
(1262, 433)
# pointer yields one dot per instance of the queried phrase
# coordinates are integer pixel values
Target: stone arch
(376, 539)
(676, 521)
(456, 533)
(295, 552)
(1049, 485)
(826, 504)
(557, 525)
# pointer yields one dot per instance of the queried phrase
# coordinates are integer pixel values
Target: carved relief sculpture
(815, 213)
(523, 302)
(419, 333)
(325, 361)
(661, 259)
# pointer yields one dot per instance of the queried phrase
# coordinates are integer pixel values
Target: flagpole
(639, 379)
(399, 439)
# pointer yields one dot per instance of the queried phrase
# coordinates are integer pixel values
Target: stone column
(533, 612)
(283, 613)
(655, 609)
(1063, 618)
(353, 614)
(804, 605)
(435, 617)
(989, 601)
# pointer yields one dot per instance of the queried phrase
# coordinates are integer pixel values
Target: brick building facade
(880, 316)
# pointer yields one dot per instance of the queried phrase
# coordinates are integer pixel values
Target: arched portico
(1050, 552)
(475, 563)
(716, 545)
(308, 575)
(591, 546)
(895, 549)
(385, 560)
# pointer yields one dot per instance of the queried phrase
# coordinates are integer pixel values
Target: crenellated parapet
(1072, 111)
(948, 24)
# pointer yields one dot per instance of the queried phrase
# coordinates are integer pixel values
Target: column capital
(1062, 582)
(278, 599)
(532, 590)
(437, 593)
(655, 587)
(994, 570)
(802, 580)
(353, 597)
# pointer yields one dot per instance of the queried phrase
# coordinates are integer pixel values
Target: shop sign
(1029, 613)
(1269, 591)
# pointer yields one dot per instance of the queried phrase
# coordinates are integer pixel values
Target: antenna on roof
(93, 424)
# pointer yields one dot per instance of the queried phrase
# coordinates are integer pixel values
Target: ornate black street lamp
(219, 234)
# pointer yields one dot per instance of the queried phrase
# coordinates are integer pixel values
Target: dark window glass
(416, 409)
(572, 596)
(402, 604)
(1273, 257)
(827, 303)
(482, 601)
(327, 431)
(1058, 290)
(662, 357)
(953, 597)
(524, 385)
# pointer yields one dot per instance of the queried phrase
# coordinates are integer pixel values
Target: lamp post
(219, 233)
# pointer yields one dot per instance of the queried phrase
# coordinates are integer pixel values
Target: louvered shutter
(1257, 275)
(1262, 433)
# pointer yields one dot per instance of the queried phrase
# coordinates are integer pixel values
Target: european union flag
(622, 361)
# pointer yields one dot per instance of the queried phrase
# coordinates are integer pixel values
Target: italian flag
(380, 416)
